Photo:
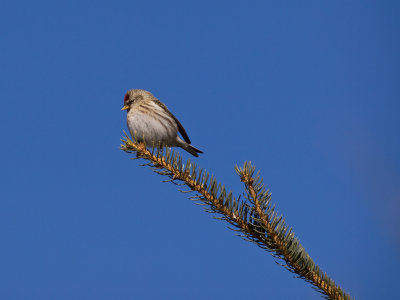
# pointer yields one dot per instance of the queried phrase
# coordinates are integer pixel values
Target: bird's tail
(192, 150)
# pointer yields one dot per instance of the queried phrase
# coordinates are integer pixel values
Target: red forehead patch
(126, 97)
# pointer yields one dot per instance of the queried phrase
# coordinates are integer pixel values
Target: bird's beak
(125, 107)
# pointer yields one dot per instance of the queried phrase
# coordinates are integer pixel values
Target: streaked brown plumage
(150, 120)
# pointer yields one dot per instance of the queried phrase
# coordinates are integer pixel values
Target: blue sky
(308, 91)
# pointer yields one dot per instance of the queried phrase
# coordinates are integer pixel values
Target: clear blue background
(306, 90)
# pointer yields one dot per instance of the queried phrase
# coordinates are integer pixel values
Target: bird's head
(135, 96)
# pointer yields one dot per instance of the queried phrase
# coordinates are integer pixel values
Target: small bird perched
(149, 120)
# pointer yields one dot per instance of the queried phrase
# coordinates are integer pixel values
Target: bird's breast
(152, 126)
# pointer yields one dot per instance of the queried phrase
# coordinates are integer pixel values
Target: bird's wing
(182, 130)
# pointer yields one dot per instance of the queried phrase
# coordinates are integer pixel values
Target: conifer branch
(282, 240)
(255, 218)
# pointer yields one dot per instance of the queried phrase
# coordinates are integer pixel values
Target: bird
(150, 121)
